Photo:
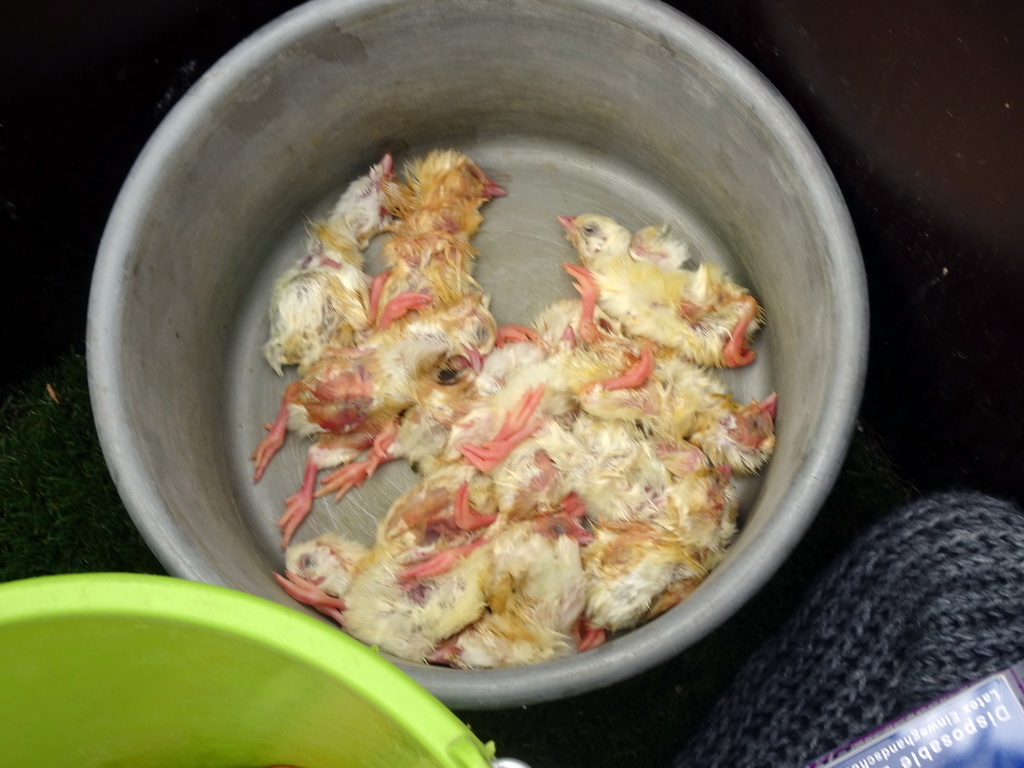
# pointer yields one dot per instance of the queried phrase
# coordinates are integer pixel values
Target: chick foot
(401, 305)
(375, 292)
(587, 288)
(586, 635)
(343, 480)
(736, 351)
(439, 563)
(635, 376)
(271, 444)
(518, 426)
(298, 505)
(306, 592)
(464, 516)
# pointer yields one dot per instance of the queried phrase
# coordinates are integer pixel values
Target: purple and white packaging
(981, 724)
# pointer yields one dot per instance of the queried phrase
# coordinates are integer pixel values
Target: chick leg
(588, 290)
(272, 443)
(587, 636)
(513, 334)
(465, 516)
(446, 653)
(439, 563)
(635, 376)
(297, 505)
(354, 474)
(306, 592)
(376, 290)
(402, 304)
(517, 426)
(736, 351)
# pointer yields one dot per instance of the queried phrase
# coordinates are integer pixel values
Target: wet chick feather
(322, 300)
(535, 594)
(701, 313)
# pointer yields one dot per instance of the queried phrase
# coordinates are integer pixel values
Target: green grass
(62, 514)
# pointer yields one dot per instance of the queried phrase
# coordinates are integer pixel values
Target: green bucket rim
(382, 684)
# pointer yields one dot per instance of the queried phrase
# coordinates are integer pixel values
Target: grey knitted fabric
(929, 599)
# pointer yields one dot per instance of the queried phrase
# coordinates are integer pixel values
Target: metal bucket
(627, 109)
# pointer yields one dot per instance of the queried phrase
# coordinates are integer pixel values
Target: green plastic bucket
(105, 670)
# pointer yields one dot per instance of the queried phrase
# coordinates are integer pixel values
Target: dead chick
(530, 395)
(611, 467)
(702, 313)
(634, 566)
(423, 579)
(319, 572)
(628, 567)
(442, 191)
(410, 615)
(436, 212)
(535, 596)
(352, 398)
(679, 401)
(448, 510)
(322, 300)
(701, 511)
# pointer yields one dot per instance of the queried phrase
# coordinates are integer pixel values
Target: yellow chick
(322, 300)
(436, 213)
(378, 380)
(638, 569)
(628, 567)
(410, 616)
(527, 482)
(318, 572)
(447, 510)
(701, 511)
(680, 401)
(702, 313)
(611, 467)
(441, 192)
(328, 560)
(535, 595)
(530, 395)
(362, 391)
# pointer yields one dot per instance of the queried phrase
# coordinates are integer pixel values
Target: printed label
(982, 725)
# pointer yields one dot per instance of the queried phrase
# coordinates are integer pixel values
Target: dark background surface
(917, 106)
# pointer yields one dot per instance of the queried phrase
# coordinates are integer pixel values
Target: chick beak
(476, 360)
(492, 190)
(736, 352)
(387, 165)
(768, 405)
(587, 636)
(446, 653)
(568, 222)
